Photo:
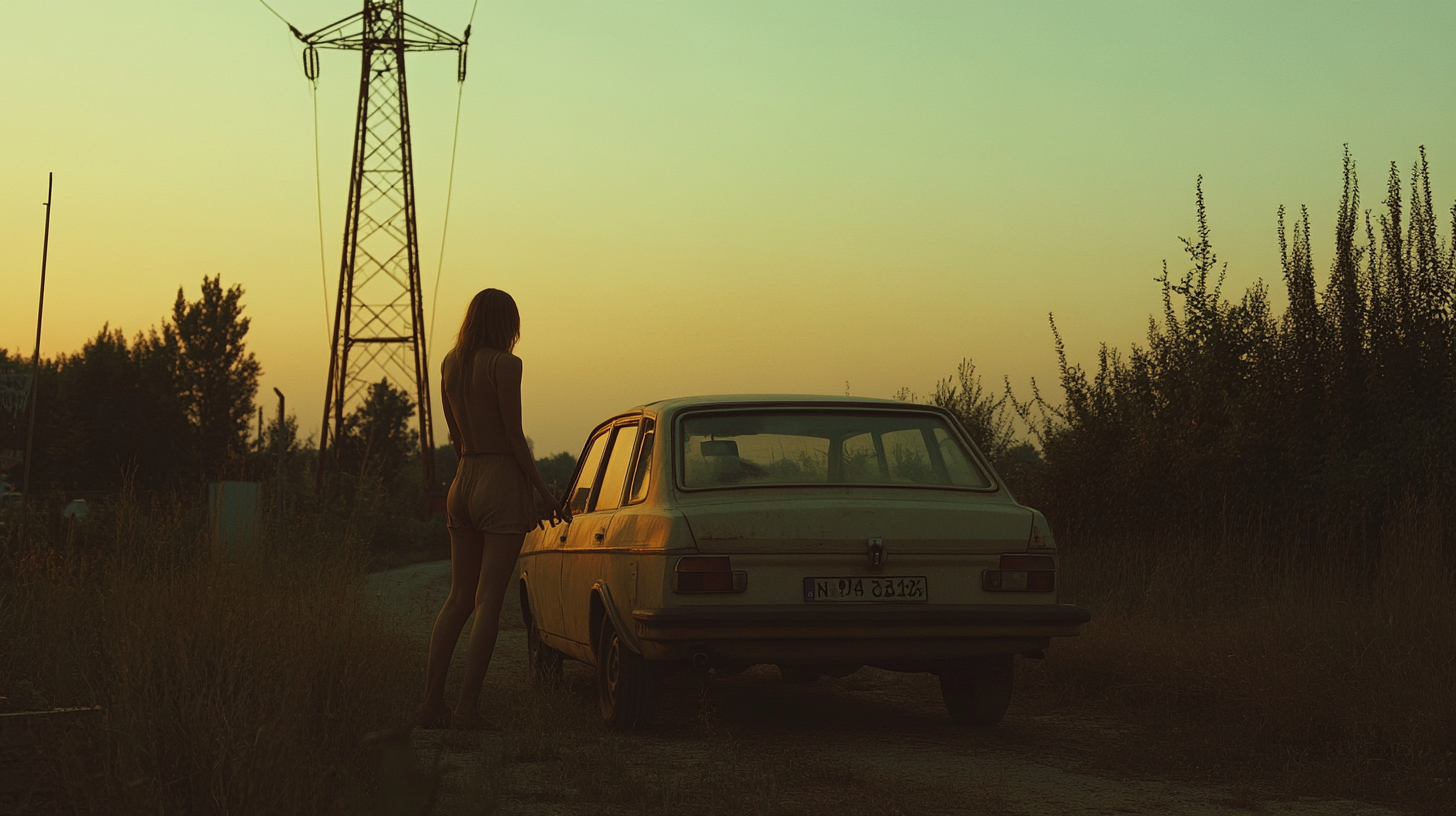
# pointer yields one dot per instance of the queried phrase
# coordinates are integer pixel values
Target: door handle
(601, 536)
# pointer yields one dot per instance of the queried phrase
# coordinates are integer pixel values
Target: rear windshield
(765, 447)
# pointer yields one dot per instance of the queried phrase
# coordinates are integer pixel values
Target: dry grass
(268, 684)
(1290, 665)
(228, 687)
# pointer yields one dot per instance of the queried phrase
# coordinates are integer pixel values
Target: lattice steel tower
(379, 328)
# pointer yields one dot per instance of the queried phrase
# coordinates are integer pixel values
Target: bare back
(475, 419)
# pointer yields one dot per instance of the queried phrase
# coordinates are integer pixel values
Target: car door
(540, 566)
(586, 556)
(545, 583)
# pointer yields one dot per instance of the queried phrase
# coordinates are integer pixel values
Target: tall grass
(1259, 657)
(1340, 402)
(239, 685)
(1254, 503)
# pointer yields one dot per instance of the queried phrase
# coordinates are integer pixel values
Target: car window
(958, 468)
(861, 460)
(908, 458)
(643, 468)
(713, 461)
(587, 475)
(797, 447)
(614, 477)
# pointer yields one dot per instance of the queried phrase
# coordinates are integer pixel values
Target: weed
(241, 685)
(1259, 660)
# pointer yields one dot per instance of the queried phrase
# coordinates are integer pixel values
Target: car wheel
(543, 663)
(978, 693)
(627, 685)
(791, 673)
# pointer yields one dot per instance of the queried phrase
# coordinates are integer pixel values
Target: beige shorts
(490, 494)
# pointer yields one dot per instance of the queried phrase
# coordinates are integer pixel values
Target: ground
(873, 742)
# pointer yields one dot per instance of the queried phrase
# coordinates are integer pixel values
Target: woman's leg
(465, 556)
(497, 567)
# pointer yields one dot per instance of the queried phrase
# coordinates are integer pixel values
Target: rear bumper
(865, 633)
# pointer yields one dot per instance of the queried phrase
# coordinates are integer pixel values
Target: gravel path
(871, 725)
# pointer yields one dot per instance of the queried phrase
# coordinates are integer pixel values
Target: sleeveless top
(477, 411)
(489, 493)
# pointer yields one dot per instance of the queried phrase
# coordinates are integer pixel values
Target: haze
(708, 197)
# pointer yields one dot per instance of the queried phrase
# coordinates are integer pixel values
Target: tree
(377, 436)
(557, 471)
(216, 377)
(121, 414)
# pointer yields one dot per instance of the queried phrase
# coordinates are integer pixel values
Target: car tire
(791, 673)
(978, 693)
(628, 687)
(543, 663)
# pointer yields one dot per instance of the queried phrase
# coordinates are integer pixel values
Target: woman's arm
(508, 393)
(449, 414)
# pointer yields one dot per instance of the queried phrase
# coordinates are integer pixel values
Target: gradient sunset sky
(694, 197)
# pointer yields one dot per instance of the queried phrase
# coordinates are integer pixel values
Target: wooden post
(45, 251)
(278, 442)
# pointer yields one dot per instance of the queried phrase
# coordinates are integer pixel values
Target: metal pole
(343, 307)
(381, 239)
(417, 299)
(282, 454)
(45, 251)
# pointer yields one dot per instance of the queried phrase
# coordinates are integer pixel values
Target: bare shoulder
(487, 362)
(508, 364)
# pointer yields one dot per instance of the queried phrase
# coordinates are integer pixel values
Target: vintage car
(820, 534)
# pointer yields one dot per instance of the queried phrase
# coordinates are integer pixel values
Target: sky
(707, 197)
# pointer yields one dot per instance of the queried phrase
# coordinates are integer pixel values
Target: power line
(290, 25)
(317, 180)
(450, 187)
(318, 189)
(449, 192)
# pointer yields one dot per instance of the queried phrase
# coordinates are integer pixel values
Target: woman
(490, 506)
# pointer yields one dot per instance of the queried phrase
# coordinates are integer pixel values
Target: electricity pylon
(379, 327)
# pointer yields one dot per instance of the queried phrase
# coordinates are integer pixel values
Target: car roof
(711, 400)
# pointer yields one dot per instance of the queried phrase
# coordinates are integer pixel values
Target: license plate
(899, 588)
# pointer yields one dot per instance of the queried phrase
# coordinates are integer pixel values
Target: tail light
(1022, 573)
(708, 573)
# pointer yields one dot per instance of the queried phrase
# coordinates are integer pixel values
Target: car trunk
(810, 525)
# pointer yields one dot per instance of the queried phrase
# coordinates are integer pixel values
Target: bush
(1251, 503)
(1328, 411)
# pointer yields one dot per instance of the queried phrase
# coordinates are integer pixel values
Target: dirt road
(873, 742)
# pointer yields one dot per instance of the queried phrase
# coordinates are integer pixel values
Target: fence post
(282, 445)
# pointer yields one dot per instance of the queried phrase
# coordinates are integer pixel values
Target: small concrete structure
(232, 514)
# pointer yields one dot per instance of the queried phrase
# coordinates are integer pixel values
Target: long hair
(491, 321)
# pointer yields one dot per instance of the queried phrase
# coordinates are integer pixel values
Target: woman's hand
(555, 512)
